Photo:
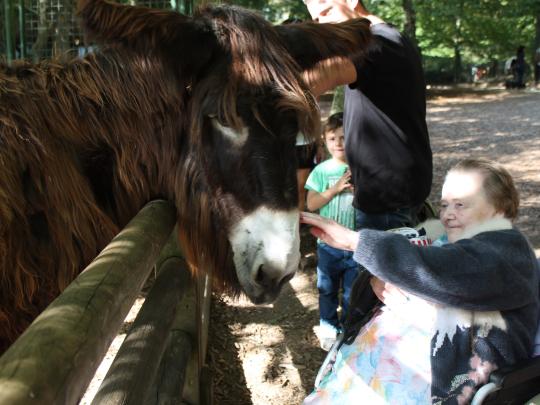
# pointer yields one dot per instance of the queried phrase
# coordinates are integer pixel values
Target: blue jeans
(335, 267)
(387, 220)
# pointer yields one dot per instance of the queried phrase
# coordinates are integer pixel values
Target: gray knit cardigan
(487, 288)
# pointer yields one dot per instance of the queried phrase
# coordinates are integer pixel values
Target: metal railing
(42, 29)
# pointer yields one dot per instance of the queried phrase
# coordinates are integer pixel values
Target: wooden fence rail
(53, 361)
(129, 379)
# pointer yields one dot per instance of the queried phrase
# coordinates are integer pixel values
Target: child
(330, 192)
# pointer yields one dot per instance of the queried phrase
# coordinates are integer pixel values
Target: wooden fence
(161, 360)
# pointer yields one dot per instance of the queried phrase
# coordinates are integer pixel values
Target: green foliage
(487, 28)
(452, 34)
(455, 34)
(482, 30)
(388, 10)
(277, 11)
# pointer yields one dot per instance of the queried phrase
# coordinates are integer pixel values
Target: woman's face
(464, 203)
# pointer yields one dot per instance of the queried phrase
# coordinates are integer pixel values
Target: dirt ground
(269, 355)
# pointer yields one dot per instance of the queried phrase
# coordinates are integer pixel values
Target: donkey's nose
(270, 278)
(264, 278)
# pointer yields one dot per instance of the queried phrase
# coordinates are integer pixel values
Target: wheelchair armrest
(513, 385)
(517, 374)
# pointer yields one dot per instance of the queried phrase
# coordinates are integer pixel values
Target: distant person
(519, 67)
(330, 191)
(474, 73)
(386, 136)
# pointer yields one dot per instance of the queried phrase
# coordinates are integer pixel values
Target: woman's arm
(491, 271)
(330, 73)
(330, 232)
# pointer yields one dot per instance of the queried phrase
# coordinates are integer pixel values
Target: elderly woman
(454, 311)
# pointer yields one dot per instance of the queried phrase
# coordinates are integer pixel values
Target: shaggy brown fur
(85, 144)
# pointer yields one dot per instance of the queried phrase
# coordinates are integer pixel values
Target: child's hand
(344, 183)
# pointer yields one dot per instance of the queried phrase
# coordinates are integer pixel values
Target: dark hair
(498, 184)
(333, 122)
(292, 20)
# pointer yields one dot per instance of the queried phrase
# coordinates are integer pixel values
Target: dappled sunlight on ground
(302, 285)
(101, 372)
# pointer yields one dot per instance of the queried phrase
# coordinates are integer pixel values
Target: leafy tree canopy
(469, 31)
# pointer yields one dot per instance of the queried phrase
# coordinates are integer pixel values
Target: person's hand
(344, 183)
(386, 292)
(330, 232)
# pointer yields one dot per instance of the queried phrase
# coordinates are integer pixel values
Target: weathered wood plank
(53, 361)
(169, 382)
(129, 379)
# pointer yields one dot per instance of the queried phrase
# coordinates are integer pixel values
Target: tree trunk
(410, 21)
(458, 40)
(537, 36)
(457, 63)
(494, 68)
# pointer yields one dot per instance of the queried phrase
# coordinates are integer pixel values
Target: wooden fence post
(55, 358)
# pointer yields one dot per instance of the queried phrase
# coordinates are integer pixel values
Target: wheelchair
(518, 385)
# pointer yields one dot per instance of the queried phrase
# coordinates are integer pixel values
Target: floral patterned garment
(389, 361)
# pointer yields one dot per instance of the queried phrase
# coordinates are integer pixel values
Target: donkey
(202, 111)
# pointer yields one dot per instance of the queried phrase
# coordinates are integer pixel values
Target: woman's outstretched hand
(330, 232)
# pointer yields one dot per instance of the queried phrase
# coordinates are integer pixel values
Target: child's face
(335, 143)
(464, 203)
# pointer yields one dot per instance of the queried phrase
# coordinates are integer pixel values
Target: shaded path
(503, 127)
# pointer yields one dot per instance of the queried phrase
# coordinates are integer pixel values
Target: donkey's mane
(258, 60)
(250, 45)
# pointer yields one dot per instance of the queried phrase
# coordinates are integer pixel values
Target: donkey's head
(246, 102)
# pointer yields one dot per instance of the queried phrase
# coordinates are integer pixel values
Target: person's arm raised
(330, 73)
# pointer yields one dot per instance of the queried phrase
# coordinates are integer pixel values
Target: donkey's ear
(309, 43)
(148, 30)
